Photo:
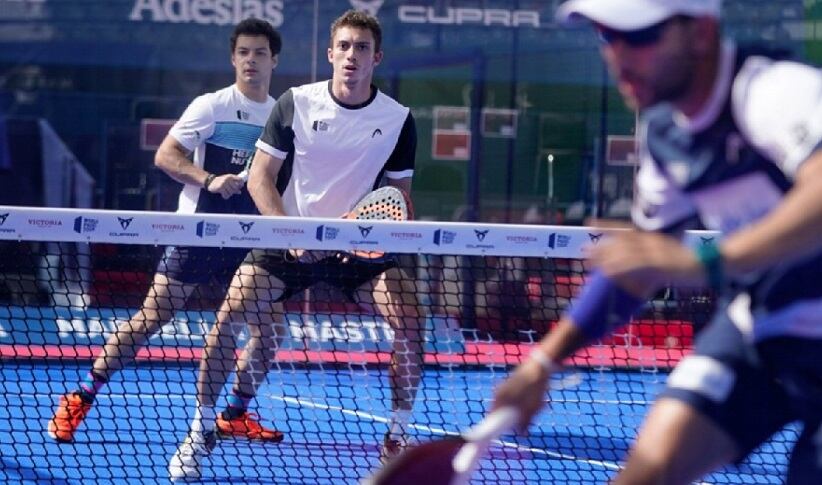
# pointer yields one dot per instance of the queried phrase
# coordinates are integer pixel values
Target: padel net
(486, 293)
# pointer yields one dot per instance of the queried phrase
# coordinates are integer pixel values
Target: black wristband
(210, 178)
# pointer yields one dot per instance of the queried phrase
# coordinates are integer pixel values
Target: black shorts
(340, 270)
(753, 391)
(197, 265)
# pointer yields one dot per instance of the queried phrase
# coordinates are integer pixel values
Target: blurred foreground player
(729, 138)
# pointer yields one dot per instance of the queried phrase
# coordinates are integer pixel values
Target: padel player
(325, 146)
(220, 130)
(732, 138)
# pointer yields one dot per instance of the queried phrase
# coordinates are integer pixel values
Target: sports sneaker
(246, 426)
(67, 418)
(187, 461)
(391, 447)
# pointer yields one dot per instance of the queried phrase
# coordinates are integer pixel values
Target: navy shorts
(752, 392)
(198, 265)
(339, 270)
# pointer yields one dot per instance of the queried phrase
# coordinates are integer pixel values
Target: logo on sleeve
(376, 132)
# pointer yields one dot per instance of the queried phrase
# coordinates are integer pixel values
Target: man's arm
(403, 184)
(262, 184)
(788, 233)
(172, 158)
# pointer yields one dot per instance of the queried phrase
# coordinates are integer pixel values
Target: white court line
(440, 431)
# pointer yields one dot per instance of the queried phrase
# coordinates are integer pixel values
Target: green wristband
(711, 259)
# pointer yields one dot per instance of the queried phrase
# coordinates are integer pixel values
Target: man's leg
(676, 445)
(164, 297)
(248, 299)
(394, 297)
(264, 316)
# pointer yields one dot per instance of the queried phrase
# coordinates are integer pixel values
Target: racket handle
(495, 424)
(477, 440)
(244, 175)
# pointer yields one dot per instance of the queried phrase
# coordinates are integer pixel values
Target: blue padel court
(334, 418)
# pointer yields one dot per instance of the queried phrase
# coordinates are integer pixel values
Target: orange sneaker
(67, 418)
(246, 426)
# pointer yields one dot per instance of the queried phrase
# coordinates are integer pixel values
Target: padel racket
(386, 203)
(448, 461)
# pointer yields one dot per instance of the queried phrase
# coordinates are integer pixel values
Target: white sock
(399, 422)
(204, 419)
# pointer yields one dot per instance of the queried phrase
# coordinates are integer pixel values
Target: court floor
(333, 417)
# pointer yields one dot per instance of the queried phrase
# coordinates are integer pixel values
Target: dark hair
(252, 26)
(360, 20)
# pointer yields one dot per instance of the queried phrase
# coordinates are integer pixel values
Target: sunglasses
(634, 38)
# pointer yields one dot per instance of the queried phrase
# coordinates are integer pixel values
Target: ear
(377, 58)
(275, 61)
(330, 56)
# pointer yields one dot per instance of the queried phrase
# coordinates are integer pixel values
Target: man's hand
(634, 258)
(524, 390)
(226, 185)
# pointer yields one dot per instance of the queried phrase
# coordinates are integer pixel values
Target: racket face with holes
(387, 204)
(429, 464)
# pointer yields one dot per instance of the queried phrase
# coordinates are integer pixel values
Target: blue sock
(90, 386)
(237, 404)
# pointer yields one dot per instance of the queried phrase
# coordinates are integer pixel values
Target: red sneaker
(246, 426)
(67, 418)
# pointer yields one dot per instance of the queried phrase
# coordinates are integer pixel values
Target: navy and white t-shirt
(729, 166)
(333, 153)
(221, 128)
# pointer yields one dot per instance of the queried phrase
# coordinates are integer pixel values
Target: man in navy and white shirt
(206, 150)
(325, 146)
(731, 140)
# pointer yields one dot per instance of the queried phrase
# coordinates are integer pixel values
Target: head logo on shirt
(242, 115)
(319, 125)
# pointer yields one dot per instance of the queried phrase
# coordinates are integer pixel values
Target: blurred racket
(386, 203)
(448, 461)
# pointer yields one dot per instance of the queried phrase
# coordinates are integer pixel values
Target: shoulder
(387, 103)
(776, 106)
(309, 91)
(765, 89)
(227, 95)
